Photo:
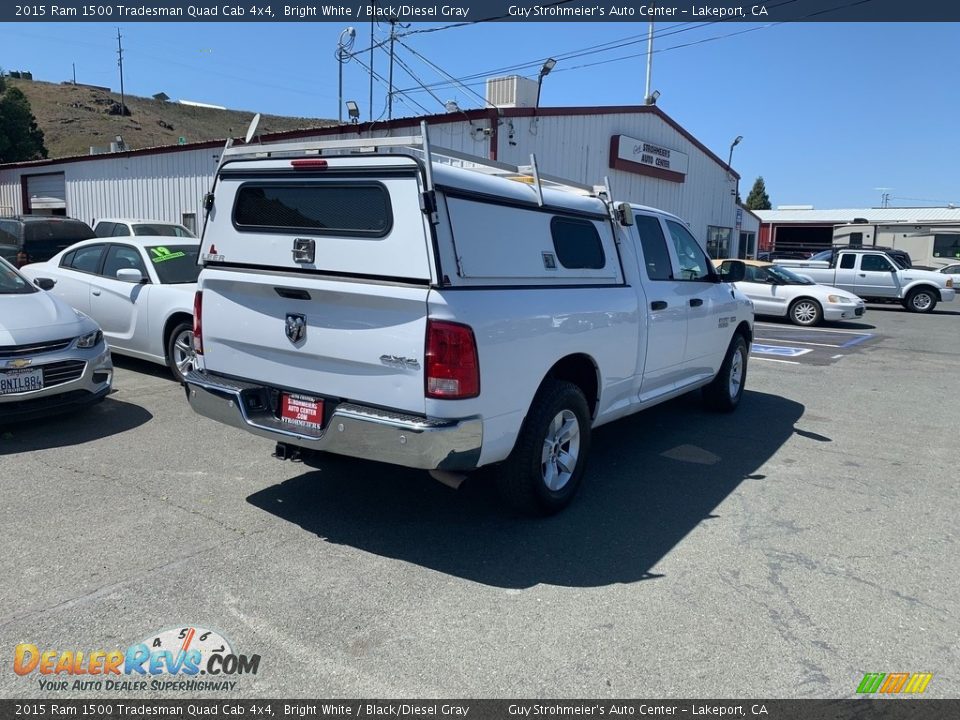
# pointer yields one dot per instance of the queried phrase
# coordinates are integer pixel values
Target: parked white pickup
(874, 275)
(393, 307)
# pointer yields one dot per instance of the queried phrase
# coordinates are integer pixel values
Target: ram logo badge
(296, 327)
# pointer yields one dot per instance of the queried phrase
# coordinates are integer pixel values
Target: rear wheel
(806, 312)
(921, 300)
(181, 357)
(544, 471)
(726, 389)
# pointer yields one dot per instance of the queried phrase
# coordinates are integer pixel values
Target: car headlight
(91, 340)
(838, 299)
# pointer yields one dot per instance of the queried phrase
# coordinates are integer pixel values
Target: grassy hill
(74, 117)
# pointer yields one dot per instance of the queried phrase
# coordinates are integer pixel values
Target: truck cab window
(875, 263)
(694, 264)
(848, 261)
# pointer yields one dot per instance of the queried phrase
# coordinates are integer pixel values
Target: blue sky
(829, 112)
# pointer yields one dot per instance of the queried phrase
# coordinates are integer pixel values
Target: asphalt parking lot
(782, 551)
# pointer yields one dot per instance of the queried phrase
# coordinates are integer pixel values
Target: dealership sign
(647, 158)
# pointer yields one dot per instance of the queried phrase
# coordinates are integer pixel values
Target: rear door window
(359, 209)
(104, 229)
(86, 259)
(656, 257)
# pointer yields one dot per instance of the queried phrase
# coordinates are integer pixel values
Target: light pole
(736, 141)
(344, 47)
(736, 197)
(544, 71)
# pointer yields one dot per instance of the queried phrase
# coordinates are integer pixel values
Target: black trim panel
(292, 272)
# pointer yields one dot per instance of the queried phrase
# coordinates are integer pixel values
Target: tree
(20, 137)
(758, 198)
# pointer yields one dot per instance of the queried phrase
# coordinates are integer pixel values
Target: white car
(953, 271)
(780, 292)
(52, 358)
(124, 227)
(139, 289)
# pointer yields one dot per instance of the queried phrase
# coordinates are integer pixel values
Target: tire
(806, 312)
(725, 390)
(180, 354)
(544, 471)
(921, 300)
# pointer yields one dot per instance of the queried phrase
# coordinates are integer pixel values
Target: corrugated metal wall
(165, 185)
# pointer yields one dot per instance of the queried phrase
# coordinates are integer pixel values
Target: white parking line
(836, 357)
(786, 362)
(809, 329)
(799, 342)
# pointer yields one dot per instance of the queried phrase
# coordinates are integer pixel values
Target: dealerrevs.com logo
(186, 658)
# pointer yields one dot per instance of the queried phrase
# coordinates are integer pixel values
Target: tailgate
(362, 342)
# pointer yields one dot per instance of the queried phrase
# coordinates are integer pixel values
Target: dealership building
(647, 157)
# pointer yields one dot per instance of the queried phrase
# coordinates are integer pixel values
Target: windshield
(162, 230)
(787, 277)
(823, 256)
(175, 263)
(12, 282)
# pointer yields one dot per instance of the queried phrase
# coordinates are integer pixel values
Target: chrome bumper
(354, 430)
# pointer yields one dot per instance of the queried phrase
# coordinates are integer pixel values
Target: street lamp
(651, 99)
(544, 71)
(735, 142)
(353, 110)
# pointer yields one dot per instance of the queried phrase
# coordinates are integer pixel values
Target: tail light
(22, 259)
(198, 322)
(452, 367)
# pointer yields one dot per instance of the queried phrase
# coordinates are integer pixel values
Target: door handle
(696, 302)
(658, 305)
(95, 292)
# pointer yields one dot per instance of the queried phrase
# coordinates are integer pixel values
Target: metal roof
(871, 215)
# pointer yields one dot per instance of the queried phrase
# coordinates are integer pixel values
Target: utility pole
(646, 97)
(393, 30)
(123, 106)
(74, 66)
(371, 67)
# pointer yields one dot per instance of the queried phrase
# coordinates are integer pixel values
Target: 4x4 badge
(296, 327)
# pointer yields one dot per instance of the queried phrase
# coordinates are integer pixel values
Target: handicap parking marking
(779, 350)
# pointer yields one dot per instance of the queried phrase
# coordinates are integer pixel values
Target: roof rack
(420, 145)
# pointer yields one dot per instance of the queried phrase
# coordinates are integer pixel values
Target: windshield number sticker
(161, 254)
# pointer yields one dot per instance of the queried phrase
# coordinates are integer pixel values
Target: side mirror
(625, 214)
(130, 275)
(733, 271)
(208, 202)
(45, 283)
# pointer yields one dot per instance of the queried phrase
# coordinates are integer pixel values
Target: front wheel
(726, 389)
(921, 300)
(181, 357)
(806, 312)
(544, 471)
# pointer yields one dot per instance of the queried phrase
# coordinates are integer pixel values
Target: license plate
(18, 381)
(301, 410)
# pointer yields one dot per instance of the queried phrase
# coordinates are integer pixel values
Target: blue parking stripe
(857, 340)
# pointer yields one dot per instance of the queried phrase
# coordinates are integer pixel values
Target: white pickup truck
(390, 305)
(875, 276)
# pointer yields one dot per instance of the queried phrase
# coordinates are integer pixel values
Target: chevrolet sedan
(52, 358)
(777, 291)
(139, 289)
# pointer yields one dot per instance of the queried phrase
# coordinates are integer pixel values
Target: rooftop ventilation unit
(512, 91)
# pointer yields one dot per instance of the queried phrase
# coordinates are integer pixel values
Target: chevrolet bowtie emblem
(19, 363)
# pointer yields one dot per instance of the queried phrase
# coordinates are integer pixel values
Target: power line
(439, 69)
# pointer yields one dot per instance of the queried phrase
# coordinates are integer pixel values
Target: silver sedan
(52, 358)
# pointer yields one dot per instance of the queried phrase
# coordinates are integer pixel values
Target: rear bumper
(353, 430)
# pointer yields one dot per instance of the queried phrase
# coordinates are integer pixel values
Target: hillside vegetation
(75, 117)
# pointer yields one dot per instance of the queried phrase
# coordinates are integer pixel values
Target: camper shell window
(577, 243)
(323, 208)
